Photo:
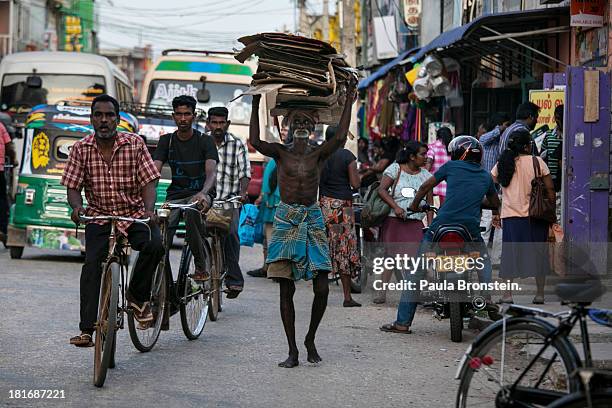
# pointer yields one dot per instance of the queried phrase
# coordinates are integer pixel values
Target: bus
(219, 77)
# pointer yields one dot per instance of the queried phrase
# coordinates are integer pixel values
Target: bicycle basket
(601, 316)
(219, 218)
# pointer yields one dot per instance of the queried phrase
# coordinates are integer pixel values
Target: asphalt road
(233, 364)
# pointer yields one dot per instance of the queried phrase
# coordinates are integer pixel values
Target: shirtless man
(298, 222)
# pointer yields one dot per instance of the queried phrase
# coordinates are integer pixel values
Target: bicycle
(217, 232)
(488, 370)
(113, 303)
(189, 297)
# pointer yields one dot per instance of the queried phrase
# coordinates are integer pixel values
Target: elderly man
(298, 248)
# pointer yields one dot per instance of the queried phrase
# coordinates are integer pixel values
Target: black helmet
(466, 148)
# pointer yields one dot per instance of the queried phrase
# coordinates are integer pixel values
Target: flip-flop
(82, 340)
(538, 301)
(392, 328)
(504, 302)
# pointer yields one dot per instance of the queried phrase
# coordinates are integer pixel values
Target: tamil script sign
(587, 13)
(547, 100)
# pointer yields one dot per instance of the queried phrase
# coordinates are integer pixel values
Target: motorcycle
(449, 281)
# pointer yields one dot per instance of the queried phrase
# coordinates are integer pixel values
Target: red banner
(587, 13)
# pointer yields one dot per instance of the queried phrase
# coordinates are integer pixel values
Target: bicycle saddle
(583, 292)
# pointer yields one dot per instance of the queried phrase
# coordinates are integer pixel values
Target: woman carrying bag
(528, 209)
(400, 233)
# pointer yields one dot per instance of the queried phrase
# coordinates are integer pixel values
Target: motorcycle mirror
(408, 192)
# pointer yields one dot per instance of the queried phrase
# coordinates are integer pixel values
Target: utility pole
(302, 18)
(326, 20)
(348, 32)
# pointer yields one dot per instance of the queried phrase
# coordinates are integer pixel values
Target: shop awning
(382, 71)
(504, 41)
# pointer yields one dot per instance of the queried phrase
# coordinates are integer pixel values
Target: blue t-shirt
(467, 185)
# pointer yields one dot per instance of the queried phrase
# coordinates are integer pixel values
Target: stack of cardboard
(306, 73)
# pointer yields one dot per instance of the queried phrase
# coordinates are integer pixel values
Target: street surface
(233, 364)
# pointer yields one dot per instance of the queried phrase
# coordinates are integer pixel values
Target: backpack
(375, 210)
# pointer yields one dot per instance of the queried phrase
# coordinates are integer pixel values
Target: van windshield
(54, 88)
(161, 92)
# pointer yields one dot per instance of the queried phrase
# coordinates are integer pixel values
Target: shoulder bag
(375, 209)
(540, 206)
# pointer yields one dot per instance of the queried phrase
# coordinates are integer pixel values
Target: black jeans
(231, 247)
(3, 203)
(96, 250)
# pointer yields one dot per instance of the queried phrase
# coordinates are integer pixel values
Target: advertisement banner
(547, 100)
(587, 13)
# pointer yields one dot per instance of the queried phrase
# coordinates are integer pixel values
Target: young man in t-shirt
(467, 185)
(192, 157)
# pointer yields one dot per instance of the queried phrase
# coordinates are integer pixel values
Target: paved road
(233, 364)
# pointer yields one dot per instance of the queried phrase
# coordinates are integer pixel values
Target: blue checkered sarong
(299, 237)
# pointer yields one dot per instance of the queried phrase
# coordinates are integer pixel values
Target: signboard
(73, 34)
(587, 13)
(412, 13)
(547, 100)
(385, 35)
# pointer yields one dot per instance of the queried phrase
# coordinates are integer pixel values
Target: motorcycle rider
(467, 184)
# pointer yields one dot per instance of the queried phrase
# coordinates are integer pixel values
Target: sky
(195, 24)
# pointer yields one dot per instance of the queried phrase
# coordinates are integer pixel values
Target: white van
(28, 79)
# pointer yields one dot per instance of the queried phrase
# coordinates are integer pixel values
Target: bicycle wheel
(194, 303)
(599, 399)
(215, 283)
(106, 325)
(482, 384)
(145, 337)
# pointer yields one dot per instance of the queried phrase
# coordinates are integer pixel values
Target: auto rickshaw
(40, 215)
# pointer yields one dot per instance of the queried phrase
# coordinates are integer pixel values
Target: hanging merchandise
(441, 86)
(413, 74)
(422, 88)
(433, 65)
(454, 98)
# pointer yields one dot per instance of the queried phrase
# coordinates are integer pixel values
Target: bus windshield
(161, 92)
(54, 88)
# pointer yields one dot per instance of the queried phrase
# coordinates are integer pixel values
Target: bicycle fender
(498, 326)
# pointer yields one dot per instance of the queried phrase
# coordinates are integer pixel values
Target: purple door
(586, 167)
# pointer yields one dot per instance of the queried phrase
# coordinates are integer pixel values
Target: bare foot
(290, 362)
(313, 355)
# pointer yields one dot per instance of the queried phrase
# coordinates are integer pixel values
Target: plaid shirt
(114, 189)
(233, 165)
(437, 152)
(490, 148)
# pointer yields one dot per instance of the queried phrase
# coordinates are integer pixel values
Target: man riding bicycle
(193, 158)
(119, 178)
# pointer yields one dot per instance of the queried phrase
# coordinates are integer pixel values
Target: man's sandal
(82, 340)
(392, 328)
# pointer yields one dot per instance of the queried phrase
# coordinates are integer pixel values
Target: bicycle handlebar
(86, 218)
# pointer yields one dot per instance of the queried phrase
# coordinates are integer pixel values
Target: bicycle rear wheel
(145, 337)
(106, 325)
(194, 302)
(482, 384)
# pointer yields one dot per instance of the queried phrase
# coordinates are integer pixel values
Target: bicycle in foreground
(218, 221)
(525, 361)
(185, 295)
(112, 303)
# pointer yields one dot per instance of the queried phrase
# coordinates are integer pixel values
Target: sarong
(299, 237)
(340, 223)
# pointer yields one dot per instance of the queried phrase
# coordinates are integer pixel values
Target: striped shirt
(551, 157)
(490, 148)
(503, 142)
(233, 165)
